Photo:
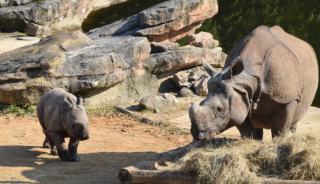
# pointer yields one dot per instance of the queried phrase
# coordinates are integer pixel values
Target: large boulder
(71, 61)
(44, 17)
(170, 20)
(167, 63)
(158, 102)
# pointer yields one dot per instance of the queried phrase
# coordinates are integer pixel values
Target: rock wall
(169, 20)
(108, 66)
(45, 17)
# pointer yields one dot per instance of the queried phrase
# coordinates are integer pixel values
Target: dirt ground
(116, 141)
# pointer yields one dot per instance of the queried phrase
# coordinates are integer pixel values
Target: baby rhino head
(77, 120)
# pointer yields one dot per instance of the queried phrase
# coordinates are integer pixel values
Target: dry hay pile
(246, 161)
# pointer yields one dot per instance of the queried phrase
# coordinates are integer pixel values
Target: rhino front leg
(283, 121)
(73, 149)
(60, 145)
(247, 130)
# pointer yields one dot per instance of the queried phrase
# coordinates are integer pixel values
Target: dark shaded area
(55, 171)
(168, 86)
(236, 18)
(113, 13)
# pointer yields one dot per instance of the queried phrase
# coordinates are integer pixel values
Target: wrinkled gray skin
(62, 115)
(268, 82)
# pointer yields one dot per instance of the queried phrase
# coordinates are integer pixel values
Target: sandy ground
(13, 41)
(116, 142)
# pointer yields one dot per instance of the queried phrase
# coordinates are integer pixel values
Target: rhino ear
(68, 102)
(211, 71)
(79, 100)
(235, 69)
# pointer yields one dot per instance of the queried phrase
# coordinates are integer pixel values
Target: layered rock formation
(45, 17)
(71, 61)
(170, 20)
(126, 62)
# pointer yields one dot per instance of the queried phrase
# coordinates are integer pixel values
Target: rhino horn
(211, 71)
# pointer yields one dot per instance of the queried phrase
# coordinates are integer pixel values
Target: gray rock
(168, 63)
(187, 78)
(170, 20)
(185, 92)
(158, 102)
(182, 79)
(5, 3)
(43, 17)
(201, 87)
(203, 39)
(37, 17)
(71, 61)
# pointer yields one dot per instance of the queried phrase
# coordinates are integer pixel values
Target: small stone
(203, 40)
(201, 87)
(158, 102)
(185, 92)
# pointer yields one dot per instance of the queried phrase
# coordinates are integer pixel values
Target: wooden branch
(280, 181)
(133, 175)
(164, 172)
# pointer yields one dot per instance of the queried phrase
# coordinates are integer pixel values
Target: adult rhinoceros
(268, 82)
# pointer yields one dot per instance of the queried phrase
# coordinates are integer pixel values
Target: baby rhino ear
(79, 100)
(68, 102)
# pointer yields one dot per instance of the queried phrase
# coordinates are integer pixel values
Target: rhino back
(51, 107)
(286, 65)
(291, 70)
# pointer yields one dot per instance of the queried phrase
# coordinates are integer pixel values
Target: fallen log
(133, 175)
(164, 172)
(280, 181)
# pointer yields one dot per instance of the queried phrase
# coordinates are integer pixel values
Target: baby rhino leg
(73, 149)
(59, 143)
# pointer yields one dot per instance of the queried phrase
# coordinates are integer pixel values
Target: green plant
(17, 110)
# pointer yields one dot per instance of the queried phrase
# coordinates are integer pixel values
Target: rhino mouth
(207, 134)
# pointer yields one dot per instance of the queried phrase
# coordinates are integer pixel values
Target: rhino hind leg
(283, 123)
(247, 130)
(46, 143)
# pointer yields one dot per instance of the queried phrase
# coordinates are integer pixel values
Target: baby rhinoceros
(268, 82)
(62, 115)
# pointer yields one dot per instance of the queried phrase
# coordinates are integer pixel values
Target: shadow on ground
(38, 166)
